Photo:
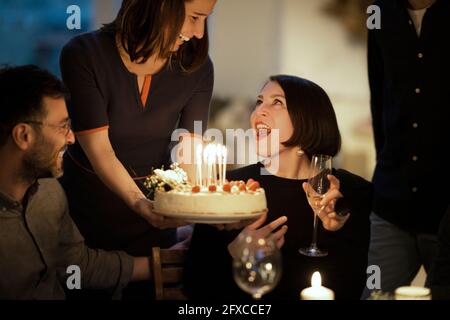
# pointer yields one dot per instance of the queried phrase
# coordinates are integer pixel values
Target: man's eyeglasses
(65, 128)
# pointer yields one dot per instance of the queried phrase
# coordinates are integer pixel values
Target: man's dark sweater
(39, 241)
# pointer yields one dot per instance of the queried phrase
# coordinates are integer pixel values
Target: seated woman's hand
(256, 231)
(330, 220)
(145, 208)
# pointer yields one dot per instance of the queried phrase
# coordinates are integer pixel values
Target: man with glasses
(39, 241)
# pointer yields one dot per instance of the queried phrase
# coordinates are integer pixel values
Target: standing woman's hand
(113, 174)
(145, 208)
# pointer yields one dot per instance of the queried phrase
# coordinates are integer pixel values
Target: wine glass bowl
(318, 185)
(257, 266)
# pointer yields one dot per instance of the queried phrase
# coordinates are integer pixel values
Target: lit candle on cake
(215, 157)
(224, 158)
(220, 163)
(206, 159)
(209, 155)
(317, 291)
(199, 158)
(214, 164)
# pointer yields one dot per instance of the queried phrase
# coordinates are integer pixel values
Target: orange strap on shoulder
(91, 131)
(146, 89)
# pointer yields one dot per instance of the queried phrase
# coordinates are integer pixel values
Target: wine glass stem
(314, 239)
(257, 296)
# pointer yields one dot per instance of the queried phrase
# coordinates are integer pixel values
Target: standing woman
(132, 83)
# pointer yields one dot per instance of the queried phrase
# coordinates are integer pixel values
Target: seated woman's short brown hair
(315, 125)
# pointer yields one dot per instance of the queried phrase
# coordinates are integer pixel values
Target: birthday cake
(174, 196)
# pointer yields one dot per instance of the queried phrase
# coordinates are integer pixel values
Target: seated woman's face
(270, 117)
(194, 24)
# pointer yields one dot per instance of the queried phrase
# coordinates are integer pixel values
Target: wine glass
(257, 265)
(319, 184)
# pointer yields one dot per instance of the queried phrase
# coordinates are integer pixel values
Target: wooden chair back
(168, 273)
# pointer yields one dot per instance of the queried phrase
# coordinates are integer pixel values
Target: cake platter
(212, 218)
(220, 203)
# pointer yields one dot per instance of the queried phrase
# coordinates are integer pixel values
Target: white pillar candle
(412, 293)
(316, 291)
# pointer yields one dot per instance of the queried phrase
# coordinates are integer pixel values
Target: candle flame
(210, 153)
(214, 157)
(316, 280)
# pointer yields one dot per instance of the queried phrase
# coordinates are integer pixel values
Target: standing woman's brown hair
(151, 27)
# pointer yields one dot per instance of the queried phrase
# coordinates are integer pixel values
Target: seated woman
(304, 116)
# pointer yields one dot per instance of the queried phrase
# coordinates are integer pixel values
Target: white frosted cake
(205, 201)
(174, 196)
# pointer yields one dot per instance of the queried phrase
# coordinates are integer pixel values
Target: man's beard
(41, 162)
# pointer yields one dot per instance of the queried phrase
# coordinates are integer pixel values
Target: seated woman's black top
(208, 271)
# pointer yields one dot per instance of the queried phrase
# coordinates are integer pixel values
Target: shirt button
(414, 189)
(415, 158)
(420, 55)
(410, 22)
(418, 90)
(415, 125)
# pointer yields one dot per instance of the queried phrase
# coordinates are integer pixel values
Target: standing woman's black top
(208, 273)
(104, 95)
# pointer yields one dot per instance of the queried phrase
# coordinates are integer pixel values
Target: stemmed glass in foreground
(257, 266)
(318, 185)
